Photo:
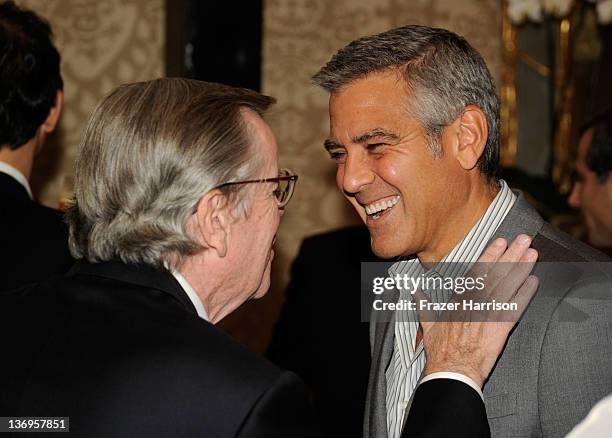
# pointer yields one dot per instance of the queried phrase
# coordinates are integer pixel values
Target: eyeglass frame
(291, 178)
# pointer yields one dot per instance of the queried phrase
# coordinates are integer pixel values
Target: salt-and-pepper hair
(441, 71)
(148, 154)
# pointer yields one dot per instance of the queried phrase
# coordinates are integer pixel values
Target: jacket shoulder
(556, 246)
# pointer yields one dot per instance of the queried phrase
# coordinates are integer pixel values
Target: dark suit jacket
(121, 351)
(446, 408)
(33, 238)
(319, 335)
(557, 362)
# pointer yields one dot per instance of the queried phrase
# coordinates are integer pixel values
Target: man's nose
(357, 173)
(574, 198)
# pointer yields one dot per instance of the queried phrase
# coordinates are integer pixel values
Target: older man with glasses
(178, 198)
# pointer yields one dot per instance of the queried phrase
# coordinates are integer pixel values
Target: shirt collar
(192, 294)
(17, 176)
(472, 245)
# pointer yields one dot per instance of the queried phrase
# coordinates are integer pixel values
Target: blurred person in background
(33, 238)
(592, 189)
(321, 313)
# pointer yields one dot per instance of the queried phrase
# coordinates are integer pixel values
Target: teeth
(379, 206)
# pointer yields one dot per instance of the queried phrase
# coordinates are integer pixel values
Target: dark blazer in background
(33, 238)
(121, 351)
(320, 336)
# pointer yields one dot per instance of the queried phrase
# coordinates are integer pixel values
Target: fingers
(518, 272)
(506, 262)
(494, 251)
(517, 249)
(497, 252)
(490, 255)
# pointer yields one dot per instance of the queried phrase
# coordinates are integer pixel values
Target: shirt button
(404, 405)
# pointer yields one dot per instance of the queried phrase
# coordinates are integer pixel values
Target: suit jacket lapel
(376, 401)
(522, 218)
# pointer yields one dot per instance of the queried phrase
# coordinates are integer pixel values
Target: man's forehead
(377, 100)
(359, 125)
(584, 143)
(377, 83)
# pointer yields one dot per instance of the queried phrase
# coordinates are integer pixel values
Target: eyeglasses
(286, 183)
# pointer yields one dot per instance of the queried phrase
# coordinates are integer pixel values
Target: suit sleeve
(446, 407)
(284, 410)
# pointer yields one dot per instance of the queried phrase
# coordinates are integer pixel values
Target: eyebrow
(379, 133)
(330, 144)
(376, 133)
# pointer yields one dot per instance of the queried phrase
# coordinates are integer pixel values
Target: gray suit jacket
(557, 362)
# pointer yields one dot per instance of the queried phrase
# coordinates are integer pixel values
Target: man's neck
(459, 224)
(21, 158)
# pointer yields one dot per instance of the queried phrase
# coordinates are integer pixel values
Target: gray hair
(441, 70)
(147, 155)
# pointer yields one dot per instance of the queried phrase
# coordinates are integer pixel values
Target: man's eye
(576, 177)
(372, 146)
(337, 156)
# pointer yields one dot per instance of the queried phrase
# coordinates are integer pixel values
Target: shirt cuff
(454, 376)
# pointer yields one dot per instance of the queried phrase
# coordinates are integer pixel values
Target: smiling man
(414, 130)
(385, 163)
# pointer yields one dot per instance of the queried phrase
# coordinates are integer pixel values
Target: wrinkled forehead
(366, 88)
(375, 101)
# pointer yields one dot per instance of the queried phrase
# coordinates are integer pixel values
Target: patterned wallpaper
(299, 37)
(103, 43)
(108, 42)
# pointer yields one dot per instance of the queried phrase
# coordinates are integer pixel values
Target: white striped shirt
(407, 364)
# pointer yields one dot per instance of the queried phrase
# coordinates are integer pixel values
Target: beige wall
(108, 42)
(299, 37)
(103, 43)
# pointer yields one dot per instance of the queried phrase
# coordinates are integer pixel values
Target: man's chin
(384, 251)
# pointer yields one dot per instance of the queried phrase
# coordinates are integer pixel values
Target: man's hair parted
(29, 74)
(442, 72)
(147, 155)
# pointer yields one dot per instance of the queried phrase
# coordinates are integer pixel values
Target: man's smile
(376, 209)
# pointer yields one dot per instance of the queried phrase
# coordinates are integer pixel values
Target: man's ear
(52, 119)
(472, 133)
(213, 219)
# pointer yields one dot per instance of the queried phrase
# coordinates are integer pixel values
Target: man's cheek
(360, 210)
(339, 178)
